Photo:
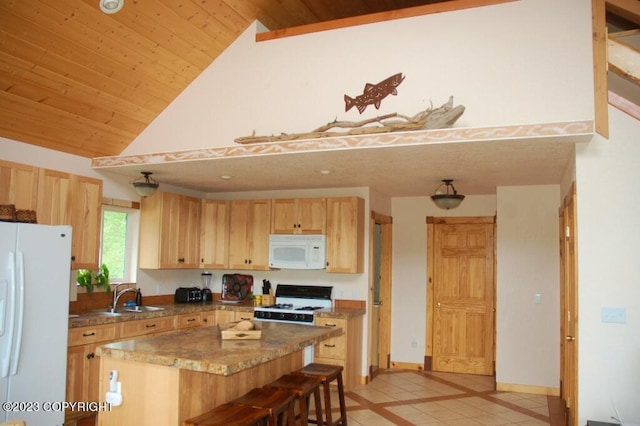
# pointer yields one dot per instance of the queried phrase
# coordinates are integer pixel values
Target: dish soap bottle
(138, 298)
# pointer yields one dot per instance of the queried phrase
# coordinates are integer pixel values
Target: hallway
(405, 397)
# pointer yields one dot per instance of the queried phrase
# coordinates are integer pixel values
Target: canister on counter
(257, 300)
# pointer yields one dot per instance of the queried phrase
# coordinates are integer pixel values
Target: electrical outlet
(414, 343)
(614, 315)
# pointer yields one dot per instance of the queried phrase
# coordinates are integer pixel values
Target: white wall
(409, 275)
(608, 184)
(520, 62)
(528, 345)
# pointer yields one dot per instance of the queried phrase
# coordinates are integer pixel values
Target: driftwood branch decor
(438, 118)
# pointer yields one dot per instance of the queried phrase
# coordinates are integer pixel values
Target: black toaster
(191, 294)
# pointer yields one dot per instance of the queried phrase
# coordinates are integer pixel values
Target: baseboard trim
(407, 365)
(536, 390)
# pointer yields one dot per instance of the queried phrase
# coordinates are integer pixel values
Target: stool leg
(327, 403)
(318, 404)
(343, 408)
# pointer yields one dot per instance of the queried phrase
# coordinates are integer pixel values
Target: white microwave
(297, 251)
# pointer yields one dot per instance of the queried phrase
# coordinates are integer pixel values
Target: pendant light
(146, 185)
(447, 198)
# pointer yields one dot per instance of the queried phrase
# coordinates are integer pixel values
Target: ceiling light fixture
(111, 6)
(145, 186)
(449, 198)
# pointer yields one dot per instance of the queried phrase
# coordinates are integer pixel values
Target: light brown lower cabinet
(189, 320)
(344, 350)
(82, 364)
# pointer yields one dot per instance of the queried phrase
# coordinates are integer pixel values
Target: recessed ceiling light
(111, 6)
(226, 177)
(325, 172)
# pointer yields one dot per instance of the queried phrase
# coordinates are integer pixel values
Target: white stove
(295, 304)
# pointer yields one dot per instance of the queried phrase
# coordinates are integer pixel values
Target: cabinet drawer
(335, 348)
(243, 316)
(147, 326)
(94, 334)
(332, 322)
(189, 320)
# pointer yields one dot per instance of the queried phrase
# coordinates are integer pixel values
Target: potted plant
(87, 279)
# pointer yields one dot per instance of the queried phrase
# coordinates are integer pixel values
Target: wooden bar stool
(327, 374)
(279, 403)
(231, 414)
(303, 386)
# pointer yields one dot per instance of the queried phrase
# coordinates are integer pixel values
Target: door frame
(569, 306)
(430, 302)
(384, 327)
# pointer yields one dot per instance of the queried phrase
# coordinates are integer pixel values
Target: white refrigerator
(35, 268)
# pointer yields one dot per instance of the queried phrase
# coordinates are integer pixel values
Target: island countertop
(203, 350)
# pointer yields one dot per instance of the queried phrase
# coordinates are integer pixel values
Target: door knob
(569, 338)
(437, 304)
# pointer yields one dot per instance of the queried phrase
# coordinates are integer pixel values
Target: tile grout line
(380, 408)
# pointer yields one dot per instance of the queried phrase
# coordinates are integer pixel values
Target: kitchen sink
(127, 309)
(140, 309)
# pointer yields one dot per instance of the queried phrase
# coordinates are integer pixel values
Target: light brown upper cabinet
(67, 199)
(345, 235)
(249, 227)
(299, 216)
(214, 234)
(18, 185)
(86, 219)
(169, 232)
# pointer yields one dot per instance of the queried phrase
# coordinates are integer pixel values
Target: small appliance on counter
(191, 295)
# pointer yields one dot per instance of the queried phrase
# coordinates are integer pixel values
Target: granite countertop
(202, 349)
(92, 317)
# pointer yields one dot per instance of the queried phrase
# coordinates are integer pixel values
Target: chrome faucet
(117, 294)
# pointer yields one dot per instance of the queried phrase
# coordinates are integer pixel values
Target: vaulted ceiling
(80, 81)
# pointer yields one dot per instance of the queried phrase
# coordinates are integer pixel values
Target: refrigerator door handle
(20, 313)
(6, 356)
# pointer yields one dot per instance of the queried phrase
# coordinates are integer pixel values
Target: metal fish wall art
(373, 94)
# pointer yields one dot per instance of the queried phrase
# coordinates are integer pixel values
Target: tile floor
(404, 397)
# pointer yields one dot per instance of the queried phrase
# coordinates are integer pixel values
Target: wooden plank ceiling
(83, 82)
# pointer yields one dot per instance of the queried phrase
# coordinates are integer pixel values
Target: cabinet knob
(73, 258)
(181, 260)
(90, 355)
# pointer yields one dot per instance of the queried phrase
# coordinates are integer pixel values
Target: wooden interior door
(569, 308)
(463, 295)
(380, 238)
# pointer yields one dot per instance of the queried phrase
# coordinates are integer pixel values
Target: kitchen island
(169, 378)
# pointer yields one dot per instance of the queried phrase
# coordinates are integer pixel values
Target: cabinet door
(312, 215)
(209, 318)
(249, 228)
(239, 234)
(83, 371)
(214, 234)
(54, 190)
(345, 235)
(260, 221)
(170, 230)
(298, 216)
(284, 216)
(86, 217)
(189, 232)
(18, 185)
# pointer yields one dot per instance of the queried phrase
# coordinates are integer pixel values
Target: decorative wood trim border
(563, 132)
(372, 18)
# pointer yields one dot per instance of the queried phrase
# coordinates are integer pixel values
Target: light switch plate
(614, 315)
